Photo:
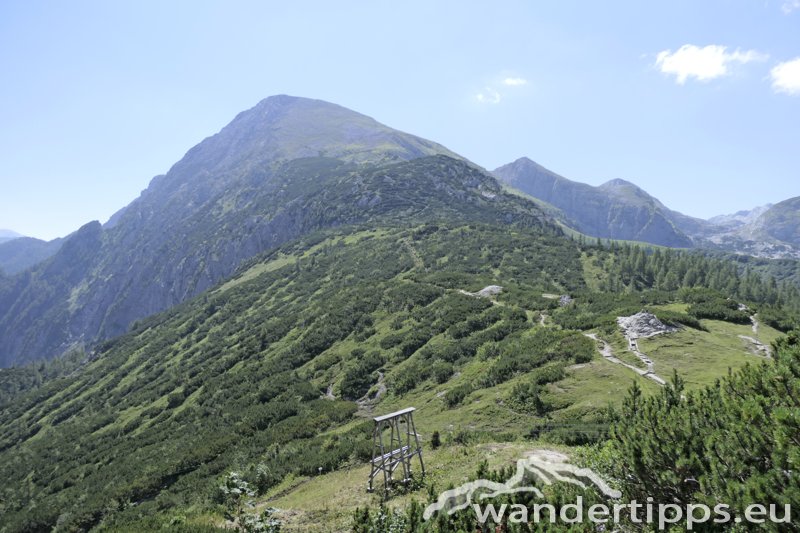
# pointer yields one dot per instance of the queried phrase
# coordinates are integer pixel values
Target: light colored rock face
(490, 290)
(643, 324)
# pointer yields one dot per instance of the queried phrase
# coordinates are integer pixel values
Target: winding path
(759, 348)
(608, 355)
(365, 402)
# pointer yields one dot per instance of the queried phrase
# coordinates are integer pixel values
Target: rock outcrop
(643, 324)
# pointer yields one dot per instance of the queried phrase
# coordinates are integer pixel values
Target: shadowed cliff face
(287, 167)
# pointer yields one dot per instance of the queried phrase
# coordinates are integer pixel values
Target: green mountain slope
(258, 183)
(233, 370)
(312, 269)
(275, 372)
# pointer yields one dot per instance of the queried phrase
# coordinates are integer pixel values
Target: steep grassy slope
(162, 410)
(275, 372)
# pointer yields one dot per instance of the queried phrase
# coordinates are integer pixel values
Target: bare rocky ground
(486, 292)
(368, 401)
(642, 325)
(756, 346)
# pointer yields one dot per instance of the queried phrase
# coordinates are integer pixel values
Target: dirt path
(365, 403)
(329, 393)
(608, 355)
(633, 346)
(757, 347)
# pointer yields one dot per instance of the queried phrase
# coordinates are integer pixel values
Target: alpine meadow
(314, 322)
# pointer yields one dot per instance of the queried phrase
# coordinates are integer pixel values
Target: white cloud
(704, 64)
(498, 88)
(488, 96)
(516, 82)
(786, 77)
(790, 5)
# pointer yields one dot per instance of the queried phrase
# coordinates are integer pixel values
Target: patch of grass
(257, 270)
(700, 357)
(594, 275)
(674, 307)
(327, 502)
(592, 386)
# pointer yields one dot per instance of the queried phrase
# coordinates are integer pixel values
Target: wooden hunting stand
(387, 457)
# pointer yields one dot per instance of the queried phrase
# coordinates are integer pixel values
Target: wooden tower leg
(418, 448)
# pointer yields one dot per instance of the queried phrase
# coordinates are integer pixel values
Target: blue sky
(698, 102)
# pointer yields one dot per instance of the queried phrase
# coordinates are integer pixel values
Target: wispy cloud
(489, 96)
(498, 88)
(516, 82)
(790, 5)
(704, 64)
(786, 77)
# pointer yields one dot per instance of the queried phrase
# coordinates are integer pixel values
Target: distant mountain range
(619, 209)
(18, 252)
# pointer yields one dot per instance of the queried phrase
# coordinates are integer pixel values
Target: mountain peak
(269, 108)
(284, 127)
(739, 218)
(618, 182)
(618, 209)
(526, 162)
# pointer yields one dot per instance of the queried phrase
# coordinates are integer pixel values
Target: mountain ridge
(620, 209)
(640, 218)
(263, 180)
